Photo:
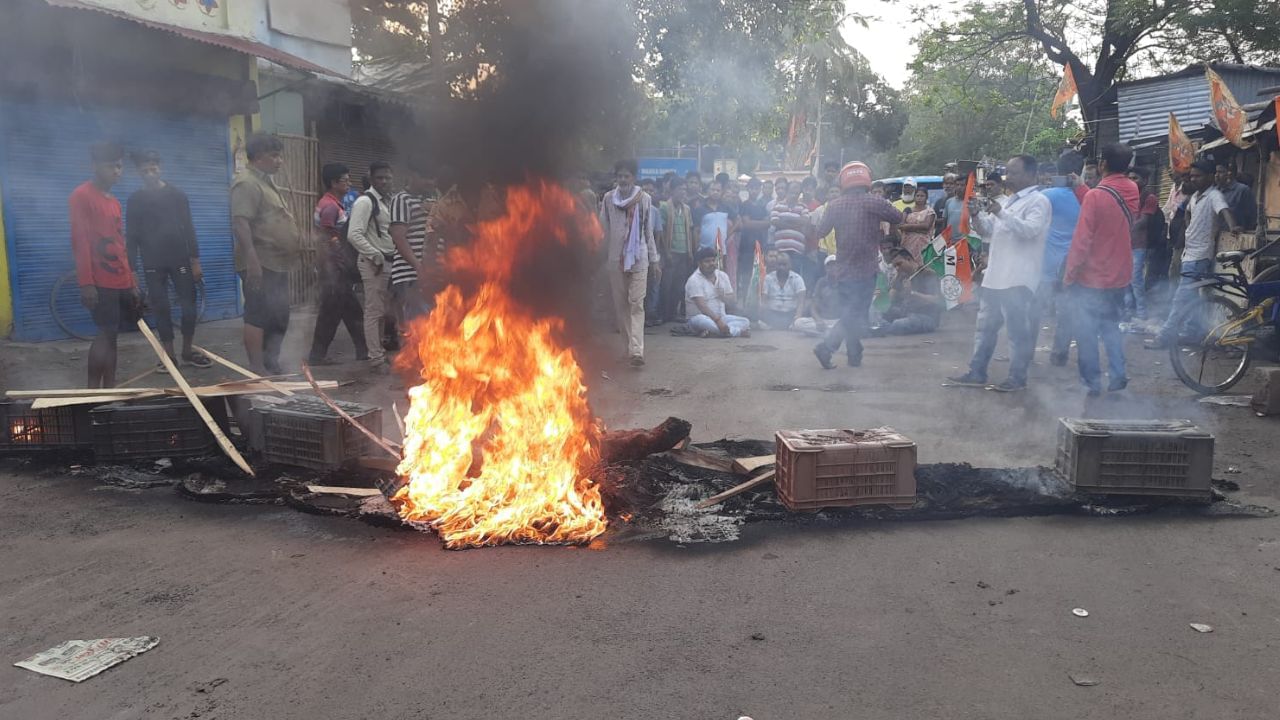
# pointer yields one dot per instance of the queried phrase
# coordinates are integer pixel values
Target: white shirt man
(1016, 225)
(1202, 218)
(708, 294)
(1017, 236)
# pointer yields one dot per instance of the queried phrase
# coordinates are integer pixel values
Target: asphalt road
(263, 612)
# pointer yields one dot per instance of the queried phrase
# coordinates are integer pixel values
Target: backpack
(347, 261)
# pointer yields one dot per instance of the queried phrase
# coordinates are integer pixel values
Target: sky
(886, 43)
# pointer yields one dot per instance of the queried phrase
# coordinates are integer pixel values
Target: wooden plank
(79, 392)
(47, 403)
(697, 458)
(352, 491)
(385, 445)
(755, 482)
(194, 399)
(748, 465)
(243, 371)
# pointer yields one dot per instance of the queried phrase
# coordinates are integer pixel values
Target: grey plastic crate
(304, 432)
(1136, 457)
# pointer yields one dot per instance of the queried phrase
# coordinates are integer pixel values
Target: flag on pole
(964, 212)
(1182, 152)
(952, 262)
(1278, 116)
(1066, 90)
(1231, 118)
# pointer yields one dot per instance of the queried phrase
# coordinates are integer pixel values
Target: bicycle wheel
(1204, 365)
(65, 307)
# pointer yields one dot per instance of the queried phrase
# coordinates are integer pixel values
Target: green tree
(1104, 41)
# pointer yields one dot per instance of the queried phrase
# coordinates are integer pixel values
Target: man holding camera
(1015, 226)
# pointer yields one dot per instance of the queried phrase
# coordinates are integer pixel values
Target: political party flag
(952, 262)
(1226, 110)
(1066, 90)
(1182, 152)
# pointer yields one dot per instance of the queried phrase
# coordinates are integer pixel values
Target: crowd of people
(829, 255)
(832, 256)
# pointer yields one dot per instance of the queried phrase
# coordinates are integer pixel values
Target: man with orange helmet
(855, 217)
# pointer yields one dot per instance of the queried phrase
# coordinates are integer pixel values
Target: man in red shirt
(1100, 266)
(107, 286)
(1135, 301)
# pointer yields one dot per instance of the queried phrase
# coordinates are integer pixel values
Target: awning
(1248, 133)
(230, 42)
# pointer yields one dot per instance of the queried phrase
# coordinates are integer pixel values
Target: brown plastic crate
(1135, 457)
(22, 428)
(842, 468)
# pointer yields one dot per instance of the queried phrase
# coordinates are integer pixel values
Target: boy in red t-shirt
(107, 285)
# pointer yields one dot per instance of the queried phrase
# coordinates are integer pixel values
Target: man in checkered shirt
(855, 216)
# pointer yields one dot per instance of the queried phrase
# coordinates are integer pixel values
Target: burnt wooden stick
(194, 399)
(243, 371)
(754, 482)
(343, 414)
(629, 445)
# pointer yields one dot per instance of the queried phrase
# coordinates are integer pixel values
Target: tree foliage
(1105, 41)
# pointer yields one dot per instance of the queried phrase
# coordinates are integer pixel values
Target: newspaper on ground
(78, 660)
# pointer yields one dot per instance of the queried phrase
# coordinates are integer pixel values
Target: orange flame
(499, 437)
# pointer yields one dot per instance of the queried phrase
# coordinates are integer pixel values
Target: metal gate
(299, 183)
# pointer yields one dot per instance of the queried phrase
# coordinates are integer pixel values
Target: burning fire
(499, 437)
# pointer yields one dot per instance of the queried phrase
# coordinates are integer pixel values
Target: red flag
(1226, 110)
(964, 213)
(1066, 90)
(1182, 152)
(1278, 118)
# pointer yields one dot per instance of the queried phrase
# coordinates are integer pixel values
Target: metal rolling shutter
(44, 155)
(356, 151)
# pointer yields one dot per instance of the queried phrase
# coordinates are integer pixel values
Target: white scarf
(632, 248)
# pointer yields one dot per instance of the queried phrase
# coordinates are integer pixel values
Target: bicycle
(74, 319)
(1231, 317)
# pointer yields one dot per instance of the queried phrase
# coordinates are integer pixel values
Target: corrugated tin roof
(230, 42)
(1144, 105)
(1198, 69)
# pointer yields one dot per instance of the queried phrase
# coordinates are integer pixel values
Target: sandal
(197, 359)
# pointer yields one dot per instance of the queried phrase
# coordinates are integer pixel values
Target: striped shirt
(411, 211)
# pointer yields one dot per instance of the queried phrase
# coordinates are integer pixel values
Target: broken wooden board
(748, 465)
(243, 371)
(697, 458)
(352, 491)
(194, 399)
(755, 482)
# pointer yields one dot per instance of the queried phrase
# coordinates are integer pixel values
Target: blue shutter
(44, 155)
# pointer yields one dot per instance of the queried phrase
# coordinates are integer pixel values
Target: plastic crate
(22, 428)
(169, 427)
(841, 468)
(305, 432)
(1135, 457)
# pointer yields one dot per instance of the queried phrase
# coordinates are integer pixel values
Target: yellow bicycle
(1232, 314)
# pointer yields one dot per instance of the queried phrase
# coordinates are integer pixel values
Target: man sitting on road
(783, 295)
(709, 291)
(915, 299)
(824, 303)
